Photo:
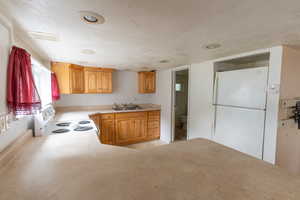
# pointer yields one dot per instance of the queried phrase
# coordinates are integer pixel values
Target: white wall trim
(272, 109)
(246, 54)
(10, 151)
(181, 68)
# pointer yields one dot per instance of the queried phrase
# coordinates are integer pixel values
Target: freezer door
(242, 88)
(240, 129)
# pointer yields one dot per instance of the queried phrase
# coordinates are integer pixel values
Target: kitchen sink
(117, 107)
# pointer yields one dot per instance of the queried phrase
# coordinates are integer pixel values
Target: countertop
(82, 113)
(76, 167)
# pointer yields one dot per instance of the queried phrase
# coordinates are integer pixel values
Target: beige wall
(163, 97)
(7, 39)
(201, 111)
(288, 141)
(125, 90)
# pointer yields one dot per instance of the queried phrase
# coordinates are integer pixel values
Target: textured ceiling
(140, 33)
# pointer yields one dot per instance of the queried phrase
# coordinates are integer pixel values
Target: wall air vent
(44, 36)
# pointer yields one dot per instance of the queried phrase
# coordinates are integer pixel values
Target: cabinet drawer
(154, 115)
(107, 116)
(131, 115)
(153, 124)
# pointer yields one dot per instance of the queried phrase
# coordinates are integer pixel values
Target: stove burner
(63, 130)
(83, 128)
(63, 124)
(84, 122)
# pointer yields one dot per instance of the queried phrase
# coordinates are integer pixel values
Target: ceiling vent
(88, 51)
(44, 36)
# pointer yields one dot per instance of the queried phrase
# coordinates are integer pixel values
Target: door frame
(185, 67)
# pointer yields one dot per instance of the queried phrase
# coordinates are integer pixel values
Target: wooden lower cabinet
(107, 135)
(129, 128)
(154, 124)
(107, 129)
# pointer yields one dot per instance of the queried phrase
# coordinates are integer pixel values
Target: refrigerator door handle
(215, 99)
(215, 93)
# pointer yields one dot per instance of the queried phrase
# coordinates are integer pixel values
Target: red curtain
(22, 96)
(54, 87)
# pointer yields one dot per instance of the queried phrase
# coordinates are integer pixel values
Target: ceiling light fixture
(212, 46)
(91, 17)
(88, 51)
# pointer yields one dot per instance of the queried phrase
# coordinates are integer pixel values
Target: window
(178, 87)
(42, 79)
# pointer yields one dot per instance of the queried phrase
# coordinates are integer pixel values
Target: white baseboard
(9, 152)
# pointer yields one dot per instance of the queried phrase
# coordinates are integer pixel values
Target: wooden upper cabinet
(70, 77)
(106, 82)
(98, 80)
(75, 79)
(91, 80)
(147, 82)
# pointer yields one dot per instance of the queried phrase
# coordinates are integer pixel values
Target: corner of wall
(272, 109)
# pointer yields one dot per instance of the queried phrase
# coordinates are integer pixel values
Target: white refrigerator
(240, 104)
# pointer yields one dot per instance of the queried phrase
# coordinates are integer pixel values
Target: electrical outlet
(2, 123)
(5, 120)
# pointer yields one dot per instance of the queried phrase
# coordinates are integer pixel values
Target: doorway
(180, 107)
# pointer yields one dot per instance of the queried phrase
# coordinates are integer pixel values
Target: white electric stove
(74, 126)
(44, 124)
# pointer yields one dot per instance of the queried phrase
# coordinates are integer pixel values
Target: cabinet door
(77, 79)
(150, 82)
(91, 81)
(153, 124)
(107, 134)
(138, 129)
(104, 82)
(99, 82)
(142, 82)
(147, 82)
(63, 76)
(153, 129)
(106, 79)
(131, 128)
(123, 131)
(96, 119)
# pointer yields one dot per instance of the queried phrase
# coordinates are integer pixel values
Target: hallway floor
(146, 145)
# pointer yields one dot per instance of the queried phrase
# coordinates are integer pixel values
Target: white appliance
(44, 124)
(41, 119)
(73, 127)
(240, 105)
